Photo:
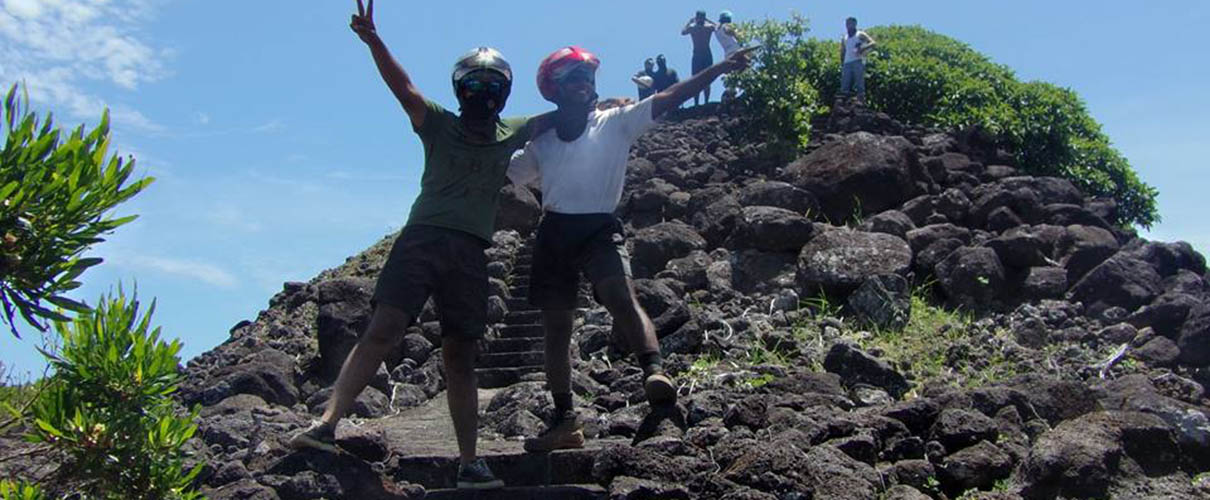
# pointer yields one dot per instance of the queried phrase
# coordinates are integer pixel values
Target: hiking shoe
(659, 389)
(320, 436)
(476, 475)
(565, 432)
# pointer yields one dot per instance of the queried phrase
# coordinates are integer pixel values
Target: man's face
(700, 17)
(661, 62)
(578, 87)
(851, 26)
(648, 64)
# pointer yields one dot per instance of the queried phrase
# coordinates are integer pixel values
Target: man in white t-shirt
(581, 167)
(853, 48)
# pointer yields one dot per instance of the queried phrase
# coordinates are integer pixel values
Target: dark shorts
(448, 265)
(701, 61)
(567, 245)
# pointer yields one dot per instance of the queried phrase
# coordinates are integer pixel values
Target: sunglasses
(477, 86)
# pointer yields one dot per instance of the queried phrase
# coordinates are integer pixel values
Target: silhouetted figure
(700, 29)
(645, 79)
(663, 77)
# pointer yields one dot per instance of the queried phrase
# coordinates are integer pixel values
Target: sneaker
(477, 476)
(320, 436)
(659, 389)
(565, 432)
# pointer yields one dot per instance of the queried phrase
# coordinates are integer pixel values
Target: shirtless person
(700, 29)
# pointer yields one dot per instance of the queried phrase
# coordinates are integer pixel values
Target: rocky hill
(899, 313)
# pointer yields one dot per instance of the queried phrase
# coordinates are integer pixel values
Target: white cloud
(203, 118)
(58, 47)
(201, 271)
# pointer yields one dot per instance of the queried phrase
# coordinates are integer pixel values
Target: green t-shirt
(460, 188)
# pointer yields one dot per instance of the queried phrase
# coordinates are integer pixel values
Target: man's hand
(363, 22)
(739, 60)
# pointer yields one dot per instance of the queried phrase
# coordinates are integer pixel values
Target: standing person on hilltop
(853, 48)
(439, 252)
(699, 29)
(663, 77)
(725, 34)
(645, 79)
(581, 167)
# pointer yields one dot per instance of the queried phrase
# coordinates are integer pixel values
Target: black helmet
(481, 58)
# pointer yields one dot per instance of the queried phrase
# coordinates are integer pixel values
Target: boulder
(841, 260)
(771, 229)
(519, 209)
(779, 194)
(654, 246)
(859, 174)
(1121, 281)
(971, 276)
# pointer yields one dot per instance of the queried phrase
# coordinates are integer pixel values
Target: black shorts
(448, 265)
(701, 61)
(567, 245)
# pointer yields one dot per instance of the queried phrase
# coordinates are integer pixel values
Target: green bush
(782, 101)
(55, 201)
(18, 490)
(108, 406)
(921, 77)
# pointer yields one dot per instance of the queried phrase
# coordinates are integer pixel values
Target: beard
(481, 107)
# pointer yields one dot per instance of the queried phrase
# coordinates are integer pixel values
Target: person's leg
(859, 80)
(462, 391)
(846, 80)
(386, 327)
(557, 325)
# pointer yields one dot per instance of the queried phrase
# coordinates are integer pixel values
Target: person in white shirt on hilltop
(581, 167)
(725, 33)
(853, 48)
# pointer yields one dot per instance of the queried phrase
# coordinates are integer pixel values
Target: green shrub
(108, 406)
(782, 101)
(18, 490)
(55, 201)
(921, 77)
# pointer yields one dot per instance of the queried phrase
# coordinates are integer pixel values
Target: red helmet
(558, 64)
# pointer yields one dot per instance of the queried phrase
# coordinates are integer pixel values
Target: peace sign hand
(363, 22)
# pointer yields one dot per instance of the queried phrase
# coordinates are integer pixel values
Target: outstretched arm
(392, 73)
(688, 27)
(673, 96)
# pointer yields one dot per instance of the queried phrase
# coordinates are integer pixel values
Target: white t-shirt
(850, 46)
(728, 42)
(584, 176)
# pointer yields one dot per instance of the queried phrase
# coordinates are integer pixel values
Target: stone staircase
(517, 349)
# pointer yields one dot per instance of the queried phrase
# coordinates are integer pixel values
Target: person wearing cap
(853, 48)
(440, 251)
(699, 30)
(663, 77)
(725, 34)
(580, 166)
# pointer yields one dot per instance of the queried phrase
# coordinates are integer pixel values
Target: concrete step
(561, 492)
(520, 269)
(491, 378)
(519, 304)
(518, 291)
(523, 317)
(527, 330)
(566, 468)
(510, 359)
(514, 344)
(520, 280)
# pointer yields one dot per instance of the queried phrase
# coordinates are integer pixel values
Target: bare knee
(459, 354)
(387, 325)
(618, 298)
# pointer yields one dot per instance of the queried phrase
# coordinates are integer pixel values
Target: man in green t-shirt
(439, 253)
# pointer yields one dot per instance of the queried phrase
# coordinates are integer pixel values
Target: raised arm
(392, 73)
(688, 27)
(868, 43)
(673, 96)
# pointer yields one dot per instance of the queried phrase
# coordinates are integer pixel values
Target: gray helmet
(485, 58)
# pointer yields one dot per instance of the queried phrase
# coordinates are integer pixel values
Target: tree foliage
(108, 406)
(57, 192)
(921, 77)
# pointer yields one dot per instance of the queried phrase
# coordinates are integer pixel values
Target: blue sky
(278, 151)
